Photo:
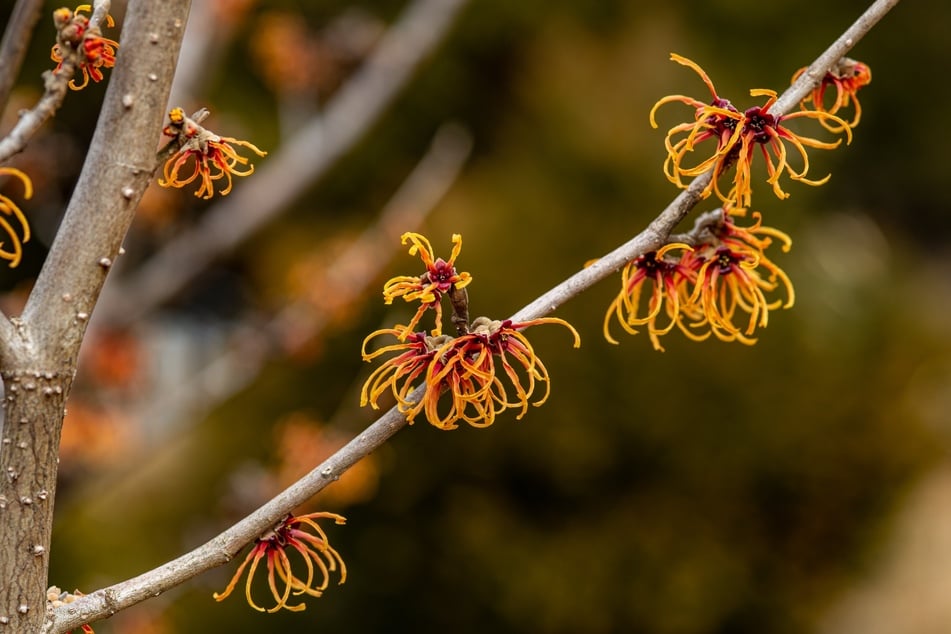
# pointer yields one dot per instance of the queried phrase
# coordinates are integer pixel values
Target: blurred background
(800, 485)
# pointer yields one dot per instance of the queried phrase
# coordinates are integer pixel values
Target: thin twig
(56, 85)
(296, 166)
(16, 40)
(225, 546)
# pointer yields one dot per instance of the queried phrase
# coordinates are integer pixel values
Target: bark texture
(40, 349)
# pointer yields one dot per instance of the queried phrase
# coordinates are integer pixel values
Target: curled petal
(214, 156)
(294, 533)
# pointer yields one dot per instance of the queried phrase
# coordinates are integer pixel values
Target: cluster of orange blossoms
(723, 285)
(722, 282)
(488, 367)
(214, 156)
(847, 76)
(75, 36)
(303, 535)
(736, 135)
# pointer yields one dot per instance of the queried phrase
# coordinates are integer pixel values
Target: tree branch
(118, 168)
(296, 166)
(226, 545)
(16, 40)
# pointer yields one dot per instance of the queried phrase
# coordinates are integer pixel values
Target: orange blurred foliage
(93, 435)
(112, 359)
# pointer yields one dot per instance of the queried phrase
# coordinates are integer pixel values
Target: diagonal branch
(298, 164)
(16, 40)
(224, 547)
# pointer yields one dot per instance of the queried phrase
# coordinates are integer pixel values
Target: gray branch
(118, 168)
(225, 546)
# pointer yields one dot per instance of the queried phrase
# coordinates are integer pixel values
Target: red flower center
(758, 123)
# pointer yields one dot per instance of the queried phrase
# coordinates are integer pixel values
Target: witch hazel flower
(440, 278)
(718, 120)
(400, 374)
(670, 284)
(472, 377)
(211, 157)
(721, 284)
(302, 538)
(765, 131)
(845, 78)
(734, 137)
(489, 366)
(77, 38)
(737, 285)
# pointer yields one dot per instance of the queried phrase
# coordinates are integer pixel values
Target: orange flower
(214, 156)
(18, 232)
(400, 374)
(303, 535)
(670, 289)
(718, 120)
(76, 37)
(729, 282)
(708, 287)
(469, 367)
(848, 76)
(736, 135)
(764, 130)
(440, 278)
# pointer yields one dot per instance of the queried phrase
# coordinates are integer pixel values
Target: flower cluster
(58, 597)
(736, 135)
(671, 285)
(724, 284)
(12, 221)
(303, 535)
(214, 156)
(489, 366)
(76, 38)
(717, 279)
(847, 76)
